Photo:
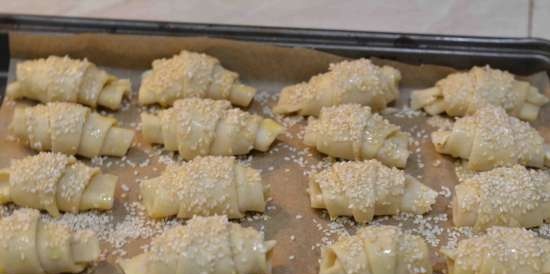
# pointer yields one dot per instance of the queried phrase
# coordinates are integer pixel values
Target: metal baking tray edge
(518, 55)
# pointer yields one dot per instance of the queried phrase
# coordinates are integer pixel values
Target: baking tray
(521, 56)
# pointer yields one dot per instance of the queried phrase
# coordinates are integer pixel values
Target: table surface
(510, 18)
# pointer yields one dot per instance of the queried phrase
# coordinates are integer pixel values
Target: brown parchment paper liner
(298, 229)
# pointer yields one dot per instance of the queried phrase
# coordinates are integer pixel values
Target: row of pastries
(200, 123)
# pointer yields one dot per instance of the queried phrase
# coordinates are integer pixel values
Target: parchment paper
(298, 229)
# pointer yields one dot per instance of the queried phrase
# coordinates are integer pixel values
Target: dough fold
(352, 132)
(190, 74)
(368, 188)
(55, 182)
(205, 245)
(358, 81)
(491, 138)
(505, 196)
(463, 93)
(211, 185)
(377, 250)
(62, 79)
(503, 250)
(70, 129)
(29, 245)
(197, 126)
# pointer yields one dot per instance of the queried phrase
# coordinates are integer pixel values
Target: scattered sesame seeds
(445, 192)
(440, 123)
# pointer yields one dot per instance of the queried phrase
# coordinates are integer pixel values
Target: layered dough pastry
(377, 250)
(503, 250)
(28, 245)
(62, 79)
(358, 81)
(505, 196)
(208, 127)
(352, 132)
(204, 245)
(55, 182)
(70, 129)
(190, 74)
(368, 188)
(211, 185)
(463, 93)
(490, 138)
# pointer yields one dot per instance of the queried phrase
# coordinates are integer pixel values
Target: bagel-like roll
(505, 196)
(368, 188)
(211, 185)
(358, 81)
(503, 250)
(204, 245)
(70, 129)
(55, 182)
(62, 79)
(197, 126)
(491, 138)
(378, 250)
(29, 245)
(463, 93)
(190, 74)
(352, 132)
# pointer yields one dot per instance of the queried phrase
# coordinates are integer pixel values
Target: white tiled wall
(541, 19)
(488, 17)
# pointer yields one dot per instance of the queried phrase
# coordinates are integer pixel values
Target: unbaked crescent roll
(503, 250)
(358, 81)
(352, 132)
(55, 182)
(197, 126)
(368, 188)
(70, 129)
(204, 245)
(62, 79)
(190, 74)
(490, 138)
(211, 185)
(504, 196)
(463, 93)
(28, 245)
(377, 249)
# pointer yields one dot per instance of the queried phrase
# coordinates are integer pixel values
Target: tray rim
(269, 34)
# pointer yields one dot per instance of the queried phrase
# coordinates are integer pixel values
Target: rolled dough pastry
(377, 250)
(70, 129)
(490, 138)
(55, 182)
(358, 81)
(62, 79)
(211, 185)
(463, 93)
(352, 132)
(28, 245)
(190, 74)
(368, 188)
(205, 245)
(197, 126)
(503, 250)
(504, 196)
